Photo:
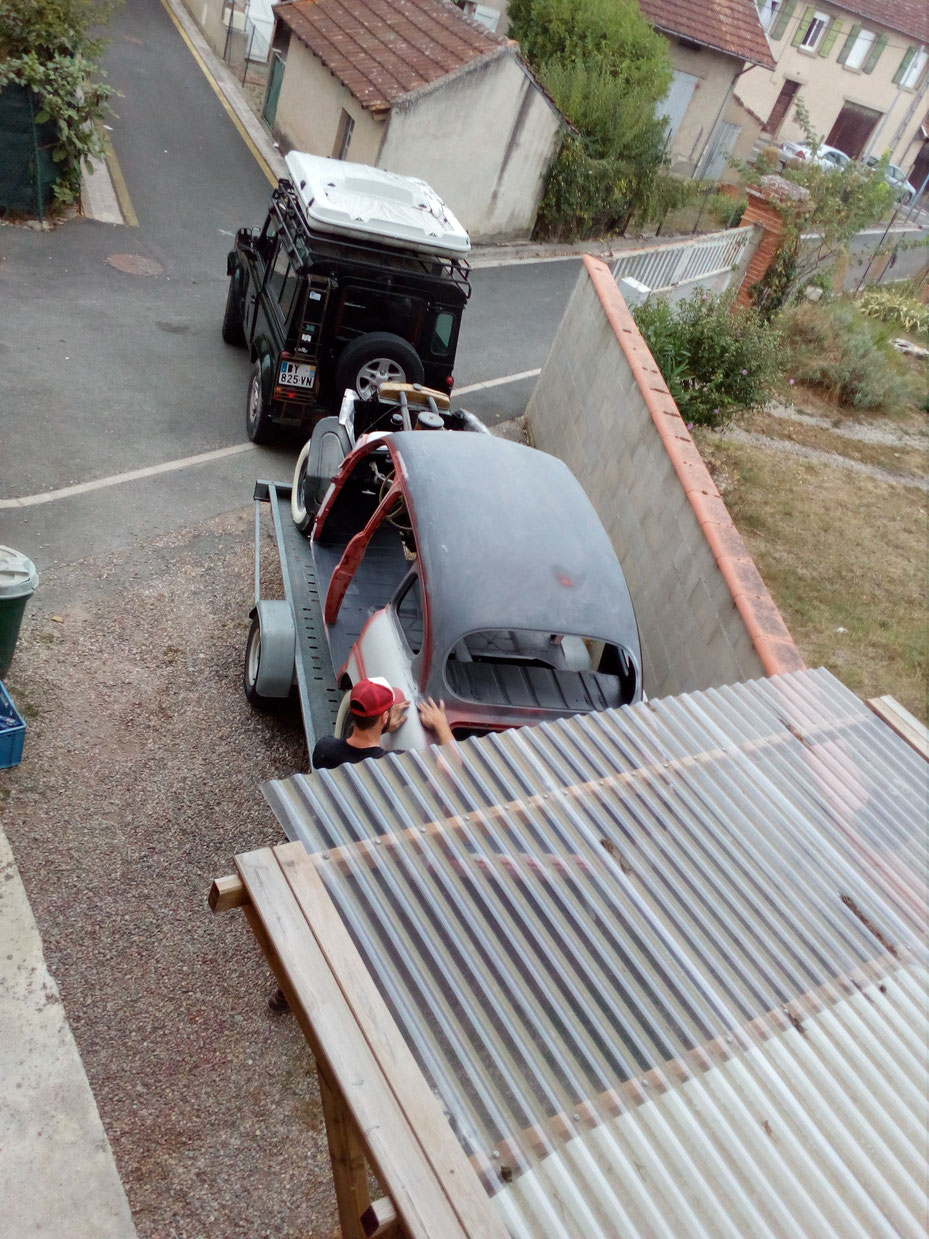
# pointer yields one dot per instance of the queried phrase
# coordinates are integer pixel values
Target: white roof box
(351, 199)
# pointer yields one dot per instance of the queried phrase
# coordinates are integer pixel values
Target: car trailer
(286, 642)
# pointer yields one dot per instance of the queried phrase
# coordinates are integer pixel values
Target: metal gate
(269, 112)
(717, 156)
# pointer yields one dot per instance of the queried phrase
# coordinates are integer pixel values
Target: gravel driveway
(140, 779)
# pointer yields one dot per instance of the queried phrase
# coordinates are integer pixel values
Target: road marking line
(188, 462)
(243, 132)
(119, 184)
(83, 488)
(507, 378)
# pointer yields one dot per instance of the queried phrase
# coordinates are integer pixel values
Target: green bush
(725, 210)
(607, 71)
(583, 197)
(716, 359)
(835, 348)
(48, 46)
(895, 305)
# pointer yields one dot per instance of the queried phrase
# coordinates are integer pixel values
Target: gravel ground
(835, 459)
(139, 782)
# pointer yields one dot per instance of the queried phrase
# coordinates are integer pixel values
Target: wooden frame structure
(379, 1109)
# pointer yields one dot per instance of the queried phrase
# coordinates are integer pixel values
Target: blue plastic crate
(12, 731)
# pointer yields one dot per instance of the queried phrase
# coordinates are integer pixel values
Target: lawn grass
(844, 556)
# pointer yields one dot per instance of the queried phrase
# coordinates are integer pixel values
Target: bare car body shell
(474, 570)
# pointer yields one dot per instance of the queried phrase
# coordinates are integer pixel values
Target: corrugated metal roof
(664, 966)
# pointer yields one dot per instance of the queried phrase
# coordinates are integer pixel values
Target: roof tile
(910, 17)
(730, 26)
(382, 50)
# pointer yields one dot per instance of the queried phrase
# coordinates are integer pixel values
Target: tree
(48, 46)
(836, 206)
(607, 71)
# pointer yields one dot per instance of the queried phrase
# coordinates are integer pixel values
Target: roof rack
(289, 208)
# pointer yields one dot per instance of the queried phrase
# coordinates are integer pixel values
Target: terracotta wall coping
(769, 633)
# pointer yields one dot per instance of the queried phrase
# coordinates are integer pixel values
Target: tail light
(450, 382)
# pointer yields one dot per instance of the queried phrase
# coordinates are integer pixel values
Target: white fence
(672, 270)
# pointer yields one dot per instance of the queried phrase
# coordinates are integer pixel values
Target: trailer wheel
(250, 671)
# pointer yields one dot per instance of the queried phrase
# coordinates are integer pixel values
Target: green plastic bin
(18, 580)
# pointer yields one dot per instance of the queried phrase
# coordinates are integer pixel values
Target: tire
(343, 720)
(258, 424)
(233, 330)
(376, 358)
(250, 670)
(303, 518)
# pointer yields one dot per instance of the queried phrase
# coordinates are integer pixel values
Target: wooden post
(349, 1168)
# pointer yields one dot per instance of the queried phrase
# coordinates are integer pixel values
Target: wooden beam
(347, 1155)
(226, 893)
(906, 725)
(321, 999)
(380, 1220)
(449, 1167)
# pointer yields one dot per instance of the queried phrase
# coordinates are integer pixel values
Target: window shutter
(904, 64)
(835, 29)
(783, 17)
(848, 44)
(803, 26)
(875, 54)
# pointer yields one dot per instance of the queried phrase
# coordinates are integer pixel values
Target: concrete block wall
(601, 405)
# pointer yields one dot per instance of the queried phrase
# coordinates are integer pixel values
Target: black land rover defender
(320, 313)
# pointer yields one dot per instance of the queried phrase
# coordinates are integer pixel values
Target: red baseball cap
(373, 697)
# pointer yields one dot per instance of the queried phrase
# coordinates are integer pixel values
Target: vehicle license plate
(293, 374)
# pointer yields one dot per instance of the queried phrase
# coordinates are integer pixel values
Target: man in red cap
(376, 708)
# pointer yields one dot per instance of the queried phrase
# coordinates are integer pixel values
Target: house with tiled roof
(711, 43)
(417, 87)
(861, 68)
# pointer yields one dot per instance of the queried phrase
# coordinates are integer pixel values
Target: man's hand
(397, 716)
(433, 717)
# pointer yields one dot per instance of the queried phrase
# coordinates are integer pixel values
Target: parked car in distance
(474, 570)
(828, 157)
(357, 277)
(896, 178)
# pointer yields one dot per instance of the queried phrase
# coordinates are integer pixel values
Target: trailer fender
(276, 662)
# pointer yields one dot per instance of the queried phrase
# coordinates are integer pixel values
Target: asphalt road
(109, 371)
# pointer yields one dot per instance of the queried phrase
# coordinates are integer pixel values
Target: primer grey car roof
(508, 538)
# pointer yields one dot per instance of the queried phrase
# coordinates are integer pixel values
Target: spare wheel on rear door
(376, 358)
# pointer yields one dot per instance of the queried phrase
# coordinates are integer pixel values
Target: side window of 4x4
(283, 281)
(442, 334)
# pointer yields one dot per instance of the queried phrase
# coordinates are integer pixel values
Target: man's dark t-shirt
(330, 752)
